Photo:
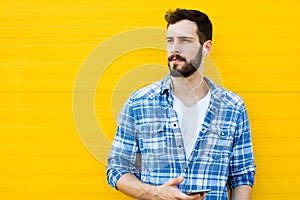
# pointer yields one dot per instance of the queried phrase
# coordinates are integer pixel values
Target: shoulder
(228, 97)
(232, 98)
(151, 91)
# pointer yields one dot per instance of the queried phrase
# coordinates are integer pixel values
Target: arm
(131, 186)
(242, 168)
(242, 192)
(124, 153)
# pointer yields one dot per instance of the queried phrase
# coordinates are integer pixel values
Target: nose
(174, 48)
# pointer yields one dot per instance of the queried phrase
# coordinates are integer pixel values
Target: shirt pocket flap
(150, 129)
(222, 132)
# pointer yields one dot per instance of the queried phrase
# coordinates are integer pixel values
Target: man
(184, 133)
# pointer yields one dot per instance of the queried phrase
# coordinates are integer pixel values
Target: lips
(176, 58)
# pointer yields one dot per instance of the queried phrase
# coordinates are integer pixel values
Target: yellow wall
(44, 43)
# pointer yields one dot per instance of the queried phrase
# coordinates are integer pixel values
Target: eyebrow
(181, 37)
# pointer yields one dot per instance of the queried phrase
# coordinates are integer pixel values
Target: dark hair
(201, 19)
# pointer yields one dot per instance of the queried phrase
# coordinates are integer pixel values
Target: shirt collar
(216, 91)
(166, 85)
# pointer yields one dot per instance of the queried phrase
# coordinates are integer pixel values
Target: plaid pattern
(149, 144)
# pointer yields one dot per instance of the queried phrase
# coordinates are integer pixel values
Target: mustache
(178, 57)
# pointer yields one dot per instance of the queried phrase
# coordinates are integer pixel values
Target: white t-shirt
(191, 120)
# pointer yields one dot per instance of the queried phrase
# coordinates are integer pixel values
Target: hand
(169, 191)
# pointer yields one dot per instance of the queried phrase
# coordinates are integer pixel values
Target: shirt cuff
(242, 179)
(114, 175)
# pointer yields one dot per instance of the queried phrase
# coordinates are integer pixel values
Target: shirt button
(180, 146)
(174, 125)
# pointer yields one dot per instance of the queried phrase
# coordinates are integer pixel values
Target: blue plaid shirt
(149, 143)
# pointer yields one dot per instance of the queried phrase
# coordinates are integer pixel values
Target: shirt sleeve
(242, 168)
(124, 151)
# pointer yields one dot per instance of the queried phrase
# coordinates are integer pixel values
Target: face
(183, 48)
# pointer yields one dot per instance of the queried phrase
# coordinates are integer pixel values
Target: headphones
(205, 52)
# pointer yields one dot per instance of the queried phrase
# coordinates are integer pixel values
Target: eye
(186, 40)
(169, 40)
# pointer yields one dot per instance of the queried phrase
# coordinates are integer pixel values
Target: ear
(207, 46)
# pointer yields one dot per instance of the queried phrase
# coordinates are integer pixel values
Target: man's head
(188, 40)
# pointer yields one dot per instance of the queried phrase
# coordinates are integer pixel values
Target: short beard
(188, 69)
(185, 72)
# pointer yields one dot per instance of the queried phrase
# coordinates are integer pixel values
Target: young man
(184, 133)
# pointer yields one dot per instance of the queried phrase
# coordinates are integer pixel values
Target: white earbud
(205, 52)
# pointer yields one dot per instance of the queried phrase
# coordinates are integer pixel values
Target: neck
(191, 89)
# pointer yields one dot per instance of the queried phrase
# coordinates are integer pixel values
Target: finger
(197, 196)
(203, 195)
(175, 181)
(193, 197)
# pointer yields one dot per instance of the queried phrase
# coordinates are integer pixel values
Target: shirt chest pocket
(217, 143)
(152, 138)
